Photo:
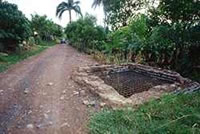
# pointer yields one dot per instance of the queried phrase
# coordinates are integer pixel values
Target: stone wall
(87, 78)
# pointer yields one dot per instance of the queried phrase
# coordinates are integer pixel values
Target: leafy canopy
(14, 26)
(68, 6)
(85, 34)
(45, 27)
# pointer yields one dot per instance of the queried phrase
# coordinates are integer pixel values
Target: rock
(39, 126)
(85, 102)
(24, 43)
(3, 54)
(26, 91)
(75, 93)
(30, 126)
(102, 104)
(65, 124)
(1, 91)
(62, 98)
(173, 85)
(89, 103)
(50, 84)
(29, 112)
(19, 126)
(46, 116)
(50, 123)
(64, 92)
(44, 93)
(48, 111)
(41, 106)
(82, 92)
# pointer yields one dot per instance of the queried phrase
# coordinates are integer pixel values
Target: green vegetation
(21, 38)
(7, 60)
(171, 114)
(166, 35)
(70, 6)
(14, 27)
(85, 35)
(163, 34)
(17, 32)
(45, 28)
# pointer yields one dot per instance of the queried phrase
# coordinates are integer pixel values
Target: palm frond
(77, 9)
(62, 6)
(97, 3)
(77, 2)
(70, 5)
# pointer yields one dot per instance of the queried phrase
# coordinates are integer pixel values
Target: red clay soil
(37, 95)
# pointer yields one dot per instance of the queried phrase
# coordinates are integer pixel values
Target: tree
(118, 12)
(14, 26)
(182, 18)
(99, 3)
(178, 11)
(45, 28)
(84, 34)
(68, 6)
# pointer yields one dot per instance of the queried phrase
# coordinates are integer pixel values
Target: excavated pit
(131, 84)
(127, 83)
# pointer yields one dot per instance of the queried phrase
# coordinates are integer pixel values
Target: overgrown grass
(169, 115)
(48, 43)
(7, 61)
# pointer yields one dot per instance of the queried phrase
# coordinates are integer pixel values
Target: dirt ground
(37, 95)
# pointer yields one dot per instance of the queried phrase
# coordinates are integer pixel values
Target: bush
(159, 48)
(47, 30)
(31, 41)
(14, 26)
(168, 46)
(129, 39)
(85, 35)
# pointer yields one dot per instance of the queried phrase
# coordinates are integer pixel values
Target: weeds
(171, 114)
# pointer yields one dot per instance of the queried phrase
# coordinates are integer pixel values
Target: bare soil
(37, 95)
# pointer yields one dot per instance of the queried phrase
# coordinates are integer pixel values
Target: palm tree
(68, 6)
(104, 3)
(97, 3)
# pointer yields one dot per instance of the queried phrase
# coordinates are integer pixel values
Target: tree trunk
(70, 16)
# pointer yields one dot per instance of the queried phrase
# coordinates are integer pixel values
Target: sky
(48, 7)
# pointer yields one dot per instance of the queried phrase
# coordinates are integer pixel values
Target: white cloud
(48, 7)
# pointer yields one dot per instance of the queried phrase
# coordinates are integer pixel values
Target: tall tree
(97, 3)
(117, 12)
(184, 11)
(104, 3)
(70, 6)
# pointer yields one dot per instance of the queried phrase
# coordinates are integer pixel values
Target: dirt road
(37, 95)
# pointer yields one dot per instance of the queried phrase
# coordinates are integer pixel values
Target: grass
(7, 61)
(169, 115)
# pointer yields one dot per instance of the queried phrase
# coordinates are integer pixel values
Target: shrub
(159, 48)
(85, 35)
(14, 26)
(31, 41)
(47, 30)
(128, 39)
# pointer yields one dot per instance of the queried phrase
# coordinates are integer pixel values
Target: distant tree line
(16, 29)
